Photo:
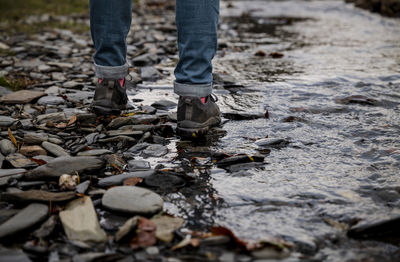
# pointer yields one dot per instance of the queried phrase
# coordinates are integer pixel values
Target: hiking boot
(109, 98)
(195, 118)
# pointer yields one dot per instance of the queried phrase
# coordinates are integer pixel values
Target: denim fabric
(197, 23)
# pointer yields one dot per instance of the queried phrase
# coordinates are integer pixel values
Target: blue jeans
(197, 22)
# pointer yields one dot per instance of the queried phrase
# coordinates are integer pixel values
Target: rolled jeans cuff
(199, 90)
(111, 72)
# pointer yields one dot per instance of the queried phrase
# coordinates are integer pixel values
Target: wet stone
(239, 159)
(35, 138)
(164, 181)
(271, 142)
(136, 165)
(13, 255)
(76, 228)
(54, 117)
(18, 160)
(124, 133)
(6, 121)
(138, 147)
(149, 73)
(148, 109)
(51, 100)
(54, 149)
(47, 227)
(6, 214)
(164, 104)
(7, 147)
(121, 198)
(64, 165)
(95, 152)
(31, 151)
(155, 151)
(26, 218)
(21, 97)
(37, 196)
(82, 187)
(389, 228)
(128, 230)
(119, 179)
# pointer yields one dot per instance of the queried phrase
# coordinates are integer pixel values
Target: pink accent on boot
(203, 99)
(100, 80)
(121, 82)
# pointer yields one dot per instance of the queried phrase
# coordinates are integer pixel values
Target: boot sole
(193, 130)
(100, 110)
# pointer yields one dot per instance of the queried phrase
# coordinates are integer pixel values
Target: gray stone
(72, 84)
(6, 121)
(77, 228)
(119, 179)
(54, 149)
(1, 160)
(271, 142)
(143, 119)
(31, 151)
(18, 160)
(13, 255)
(143, 128)
(4, 91)
(164, 104)
(26, 218)
(54, 117)
(37, 196)
(47, 227)
(64, 165)
(132, 199)
(136, 165)
(138, 147)
(95, 152)
(145, 59)
(82, 187)
(149, 73)
(155, 151)
(128, 230)
(35, 138)
(21, 97)
(51, 100)
(120, 132)
(57, 76)
(6, 214)
(7, 147)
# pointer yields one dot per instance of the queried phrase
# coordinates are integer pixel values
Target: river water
(341, 160)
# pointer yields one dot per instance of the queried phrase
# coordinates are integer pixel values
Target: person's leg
(110, 21)
(197, 23)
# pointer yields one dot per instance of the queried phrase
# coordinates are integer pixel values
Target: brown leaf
(40, 162)
(116, 167)
(146, 234)
(223, 231)
(12, 138)
(260, 53)
(132, 181)
(61, 125)
(188, 240)
(276, 55)
(72, 120)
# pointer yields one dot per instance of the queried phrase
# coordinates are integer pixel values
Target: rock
(271, 253)
(64, 165)
(137, 165)
(82, 187)
(54, 149)
(115, 160)
(18, 160)
(166, 225)
(7, 147)
(1, 160)
(215, 241)
(164, 104)
(164, 181)
(143, 128)
(95, 152)
(131, 199)
(31, 151)
(119, 179)
(21, 97)
(243, 115)
(35, 138)
(271, 142)
(7, 174)
(118, 122)
(26, 218)
(149, 73)
(138, 147)
(120, 132)
(6, 121)
(51, 100)
(155, 151)
(54, 117)
(145, 59)
(13, 255)
(239, 159)
(98, 256)
(128, 230)
(57, 76)
(67, 182)
(143, 119)
(6, 214)
(79, 220)
(47, 227)
(37, 196)
(4, 90)
(388, 228)
(71, 84)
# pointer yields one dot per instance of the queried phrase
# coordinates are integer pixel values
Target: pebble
(82, 187)
(18, 160)
(21, 97)
(149, 73)
(6, 121)
(119, 179)
(76, 228)
(132, 199)
(136, 165)
(7, 147)
(128, 230)
(155, 151)
(54, 149)
(47, 227)
(26, 218)
(31, 151)
(51, 100)
(13, 255)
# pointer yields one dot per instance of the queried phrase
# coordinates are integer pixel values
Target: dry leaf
(40, 162)
(128, 114)
(116, 167)
(188, 240)
(132, 181)
(61, 125)
(146, 234)
(72, 120)
(276, 55)
(12, 138)
(223, 231)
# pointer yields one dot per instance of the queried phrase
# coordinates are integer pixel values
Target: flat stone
(64, 165)
(137, 165)
(11, 172)
(119, 179)
(57, 76)
(149, 73)
(95, 152)
(26, 218)
(143, 119)
(76, 228)
(37, 196)
(143, 128)
(21, 97)
(51, 100)
(72, 84)
(155, 151)
(138, 147)
(31, 151)
(54, 149)
(35, 138)
(6, 121)
(124, 133)
(166, 225)
(128, 230)
(54, 117)
(82, 187)
(375, 230)
(1, 160)
(7, 147)
(271, 142)
(13, 255)
(132, 199)
(6, 214)
(18, 160)
(164, 104)
(164, 181)
(47, 227)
